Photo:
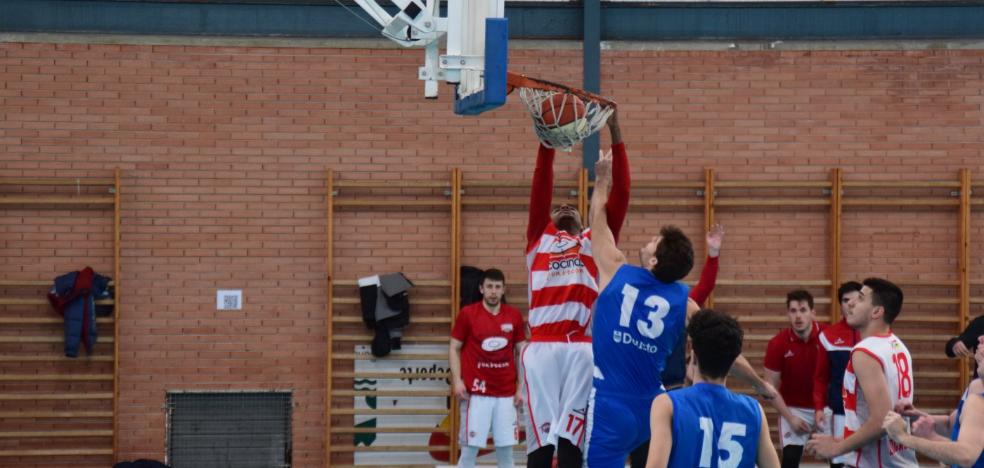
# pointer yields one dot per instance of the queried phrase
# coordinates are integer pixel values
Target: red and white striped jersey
(563, 285)
(896, 364)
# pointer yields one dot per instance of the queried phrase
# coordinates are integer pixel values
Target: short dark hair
(674, 255)
(717, 339)
(799, 295)
(847, 288)
(886, 294)
(493, 274)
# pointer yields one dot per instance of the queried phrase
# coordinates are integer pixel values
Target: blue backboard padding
(493, 93)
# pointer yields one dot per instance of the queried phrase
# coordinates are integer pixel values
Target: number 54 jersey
(636, 324)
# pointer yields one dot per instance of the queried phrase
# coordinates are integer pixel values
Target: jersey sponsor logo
(789, 354)
(506, 327)
(565, 262)
(839, 340)
(494, 343)
(564, 245)
(626, 338)
(493, 365)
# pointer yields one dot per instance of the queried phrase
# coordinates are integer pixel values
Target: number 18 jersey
(896, 364)
(637, 322)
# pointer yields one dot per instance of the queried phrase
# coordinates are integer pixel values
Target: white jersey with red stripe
(896, 364)
(563, 284)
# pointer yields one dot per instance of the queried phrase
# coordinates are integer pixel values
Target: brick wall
(223, 151)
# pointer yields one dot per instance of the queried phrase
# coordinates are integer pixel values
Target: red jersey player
(790, 359)
(562, 289)
(485, 340)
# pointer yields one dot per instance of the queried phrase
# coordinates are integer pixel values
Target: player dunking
(562, 290)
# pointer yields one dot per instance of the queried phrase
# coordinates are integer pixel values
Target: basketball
(562, 109)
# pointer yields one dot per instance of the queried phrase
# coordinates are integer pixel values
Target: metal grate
(229, 429)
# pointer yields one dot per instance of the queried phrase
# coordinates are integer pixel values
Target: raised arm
(708, 275)
(618, 198)
(541, 195)
(605, 252)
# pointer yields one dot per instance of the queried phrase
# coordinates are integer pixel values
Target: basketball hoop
(562, 116)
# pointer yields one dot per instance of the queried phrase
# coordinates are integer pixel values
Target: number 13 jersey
(636, 324)
(896, 364)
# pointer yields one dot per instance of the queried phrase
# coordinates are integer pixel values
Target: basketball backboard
(476, 58)
(478, 36)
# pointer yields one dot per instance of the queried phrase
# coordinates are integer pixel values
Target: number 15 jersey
(637, 322)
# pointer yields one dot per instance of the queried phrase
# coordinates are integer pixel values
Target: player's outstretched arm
(618, 198)
(766, 457)
(661, 427)
(606, 253)
(541, 195)
(744, 371)
(963, 452)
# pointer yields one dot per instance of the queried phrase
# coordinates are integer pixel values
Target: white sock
(504, 456)
(469, 456)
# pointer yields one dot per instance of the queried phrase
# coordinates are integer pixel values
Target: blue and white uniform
(636, 324)
(714, 428)
(956, 430)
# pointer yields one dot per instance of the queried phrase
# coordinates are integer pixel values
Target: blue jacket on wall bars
(73, 296)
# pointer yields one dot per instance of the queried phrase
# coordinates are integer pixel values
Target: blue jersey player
(706, 425)
(638, 319)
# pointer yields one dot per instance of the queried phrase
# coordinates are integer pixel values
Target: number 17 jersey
(637, 322)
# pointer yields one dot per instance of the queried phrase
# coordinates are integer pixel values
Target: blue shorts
(617, 425)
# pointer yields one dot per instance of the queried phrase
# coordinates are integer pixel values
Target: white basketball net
(566, 136)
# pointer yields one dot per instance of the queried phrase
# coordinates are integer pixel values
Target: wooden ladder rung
(56, 396)
(416, 283)
(391, 356)
(40, 301)
(55, 452)
(392, 393)
(794, 283)
(406, 339)
(44, 339)
(54, 377)
(389, 430)
(420, 320)
(44, 283)
(390, 412)
(390, 448)
(390, 375)
(47, 434)
(43, 320)
(761, 300)
(58, 358)
(56, 181)
(57, 200)
(56, 414)
(768, 202)
(415, 301)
